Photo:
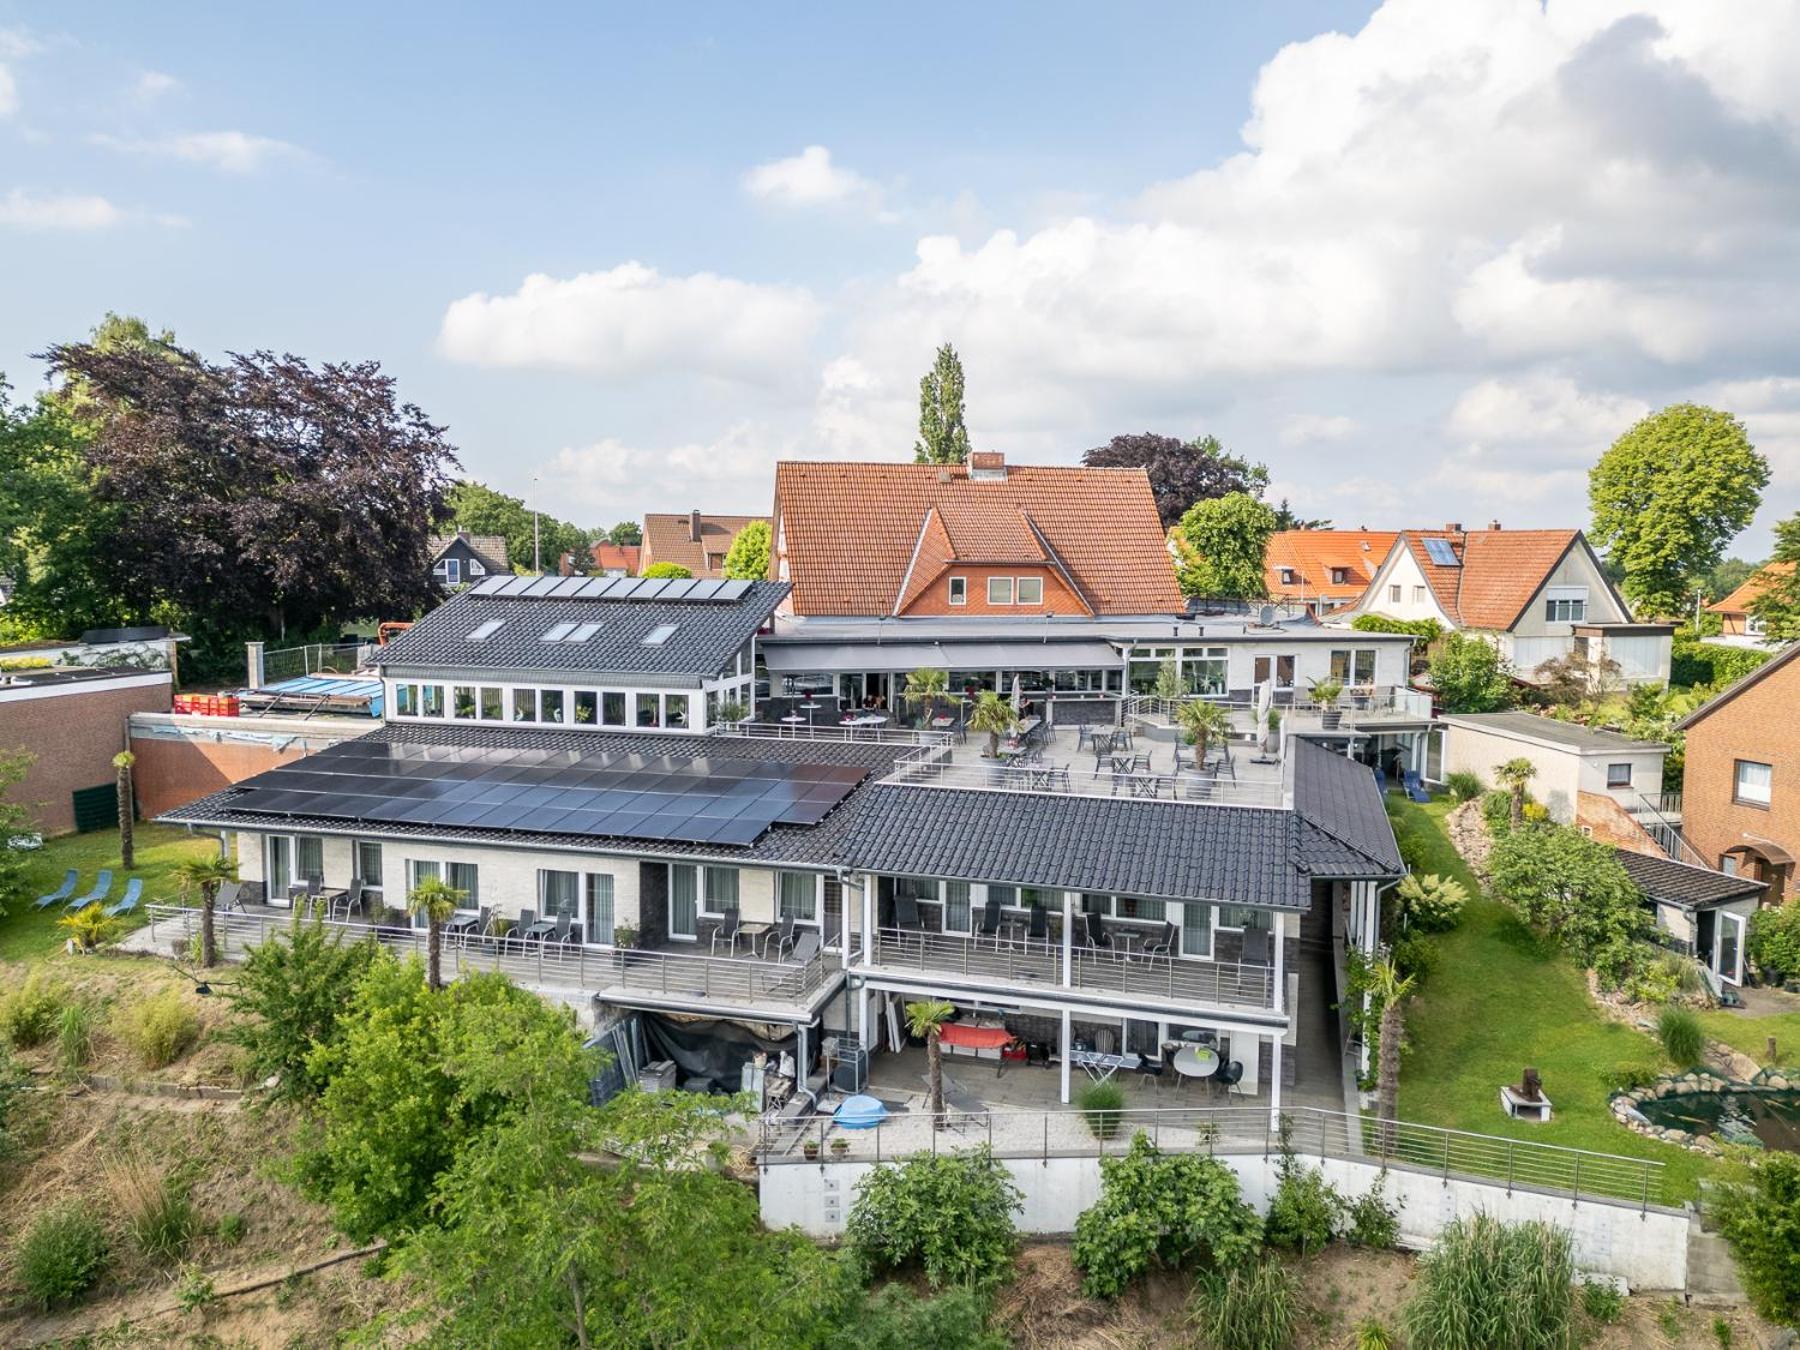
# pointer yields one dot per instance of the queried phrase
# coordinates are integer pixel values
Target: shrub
(155, 1212)
(895, 1318)
(1463, 786)
(1496, 810)
(1602, 1302)
(160, 1028)
(74, 1039)
(1415, 955)
(1535, 813)
(1431, 903)
(1250, 1306)
(231, 1229)
(1682, 1040)
(1627, 1077)
(1414, 852)
(195, 1289)
(1494, 1286)
(1157, 1209)
(1574, 889)
(1774, 941)
(951, 1214)
(1694, 663)
(28, 1013)
(1106, 1103)
(1757, 1208)
(62, 1255)
(1470, 676)
(292, 991)
(1370, 1220)
(1306, 1210)
(1372, 1335)
(1428, 630)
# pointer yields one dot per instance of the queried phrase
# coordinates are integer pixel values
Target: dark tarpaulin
(710, 1047)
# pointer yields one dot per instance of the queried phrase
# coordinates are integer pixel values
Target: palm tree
(1203, 720)
(437, 900)
(1387, 985)
(204, 876)
(1516, 773)
(926, 686)
(995, 716)
(926, 1019)
(123, 762)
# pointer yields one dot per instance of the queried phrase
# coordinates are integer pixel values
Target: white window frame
(1394, 594)
(703, 893)
(1019, 585)
(377, 889)
(1763, 794)
(992, 582)
(814, 884)
(1613, 782)
(959, 591)
(1565, 610)
(452, 569)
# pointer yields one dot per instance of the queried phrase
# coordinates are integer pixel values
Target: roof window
(659, 634)
(486, 630)
(556, 632)
(583, 632)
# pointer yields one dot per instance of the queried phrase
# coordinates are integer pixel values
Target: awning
(793, 658)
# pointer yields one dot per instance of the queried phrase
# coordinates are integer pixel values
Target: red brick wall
(74, 737)
(173, 773)
(934, 601)
(1761, 724)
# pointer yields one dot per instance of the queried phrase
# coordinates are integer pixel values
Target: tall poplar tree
(943, 437)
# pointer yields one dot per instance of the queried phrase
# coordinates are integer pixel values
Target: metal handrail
(1065, 780)
(1580, 1174)
(889, 735)
(550, 964)
(1017, 960)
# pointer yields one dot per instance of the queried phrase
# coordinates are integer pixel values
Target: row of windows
(552, 707)
(1001, 590)
(1395, 593)
(1340, 576)
(1565, 611)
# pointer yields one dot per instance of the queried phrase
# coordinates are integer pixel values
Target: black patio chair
(1228, 1076)
(1256, 947)
(566, 932)
(906, 912)
(728, 929)
(1037, 927)
(990, 921)
(527, 917)
(1094, 930)
(1163, 944)
(780, 937)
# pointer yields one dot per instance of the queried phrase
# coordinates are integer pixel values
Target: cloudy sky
(1425, 260)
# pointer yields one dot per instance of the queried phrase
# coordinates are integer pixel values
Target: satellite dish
(1266, 616)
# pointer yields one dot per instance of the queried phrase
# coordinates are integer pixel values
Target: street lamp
(537, 555)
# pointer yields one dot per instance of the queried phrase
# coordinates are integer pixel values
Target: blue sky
(1426, 264)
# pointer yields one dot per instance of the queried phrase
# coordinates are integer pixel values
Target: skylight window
(556, 632)
(583, 632)
(486, 630)
(1441, 553)
(659, 635)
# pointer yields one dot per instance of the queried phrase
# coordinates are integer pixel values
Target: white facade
(1399, 591)
(1623, 772)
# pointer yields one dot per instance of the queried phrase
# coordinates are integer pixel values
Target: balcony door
(684, 902)
(1278, 668)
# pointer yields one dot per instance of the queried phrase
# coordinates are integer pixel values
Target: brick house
(1741, 780)
(1737, 625)
(691, 539)
(72, 722)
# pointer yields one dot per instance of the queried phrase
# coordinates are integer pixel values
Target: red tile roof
(669, 538)
(1500, 571)
(866, 538)
(1738, 602)
(1311, 555)
(611, 557)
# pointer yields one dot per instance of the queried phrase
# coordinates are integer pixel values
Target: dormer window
(1000, 590)
(1340, 575)
(1289, 577)
(959, 590)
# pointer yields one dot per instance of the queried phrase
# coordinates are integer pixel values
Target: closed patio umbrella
(1018, 695)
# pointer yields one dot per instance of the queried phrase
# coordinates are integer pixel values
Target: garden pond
(1759, 1119)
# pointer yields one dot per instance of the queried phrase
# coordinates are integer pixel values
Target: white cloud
(734, 470)
(29, 211)
(1544, 408)
(633, 321)
(15, 45)
(1304, 428)
(153, 85)
(810, 179)
(227, 151)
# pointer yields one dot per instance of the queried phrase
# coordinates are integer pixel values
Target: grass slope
(26, 932)
(1751, 1034)
(1500, 999)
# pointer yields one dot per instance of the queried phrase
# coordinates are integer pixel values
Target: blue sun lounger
(128, 901)
(62, 892)
(102, 884)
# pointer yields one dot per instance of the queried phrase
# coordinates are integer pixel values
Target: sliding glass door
(684, 901)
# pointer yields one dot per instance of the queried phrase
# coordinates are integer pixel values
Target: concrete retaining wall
(1647, 1249)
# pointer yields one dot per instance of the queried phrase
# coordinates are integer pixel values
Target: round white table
(1196, 1061)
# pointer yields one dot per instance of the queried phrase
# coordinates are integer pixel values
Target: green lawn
(1499, 999)
(1751, 1034)
(26, 931)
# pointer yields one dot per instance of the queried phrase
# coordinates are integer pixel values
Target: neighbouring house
(1740, 794)
(693, 539)
(1738, 627)
(1537, 595)
(1606, 783)
(461, 559)
(549, 749)
(616, 560)
(72, 721)
(1321, 570)
(1702, 912)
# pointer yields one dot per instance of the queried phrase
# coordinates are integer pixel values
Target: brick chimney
(1493, 525)
(1453, 527)
(694, 527)
(987, 464)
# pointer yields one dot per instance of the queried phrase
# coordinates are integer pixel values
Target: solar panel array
(1441, 553)
(703, 800)
(614, 588)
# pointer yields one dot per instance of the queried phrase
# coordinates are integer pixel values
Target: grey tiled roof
(816, 846)
(1683, 884)
(1340, 797)
(707, 634)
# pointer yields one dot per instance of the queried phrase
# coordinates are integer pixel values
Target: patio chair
(128, 901)
(1163, 944)
(906, 912)
(1037, 928)
(527, 917)
(1228, 1076)
(805, 949)
(1094, 931)
(990, 921)
(62, 892)
(102, 884)
(564, 931)
(790, 976)
(230, 897)
(728, 929)
(780, 937)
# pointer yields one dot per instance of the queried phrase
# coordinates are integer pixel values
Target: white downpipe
(1067, 1046)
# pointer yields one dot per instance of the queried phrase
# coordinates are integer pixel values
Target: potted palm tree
(204, 876)
(1326, 694)
(925, 1020)
(437, 900)
(926, 686)
(1204, 722)
(993, 716)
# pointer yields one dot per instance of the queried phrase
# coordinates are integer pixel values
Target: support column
(800, 1062)
(1066, 1045)
(253, 660)
(1280, 1004)
(1275, 1084)
(868, 919)
(1068, 948)
(862, 1018)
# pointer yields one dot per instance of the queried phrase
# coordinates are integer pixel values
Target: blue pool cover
(860, 1113)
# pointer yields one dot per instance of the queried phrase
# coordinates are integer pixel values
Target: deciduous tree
(480, 509)
(748, 557)
(1181, 472)
(1229, 537)
(1572, 888)
(1778, 604)
(943, 434)
(1469, 675)
(1668, 497)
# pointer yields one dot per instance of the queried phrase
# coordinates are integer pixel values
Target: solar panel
(623, 587)
(542, 586)
(567, 587)
(677, 588)
(593, 587)
(488, 585)
(621, 794)
(733, 590)
(1440, 552)
(517, 585)
(651, 588)
(705, 590)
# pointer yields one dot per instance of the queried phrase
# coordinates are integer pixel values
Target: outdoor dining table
(1100, 1066)
(752, 933)
(1196, 1061)
(540, 930)
(461, 923)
